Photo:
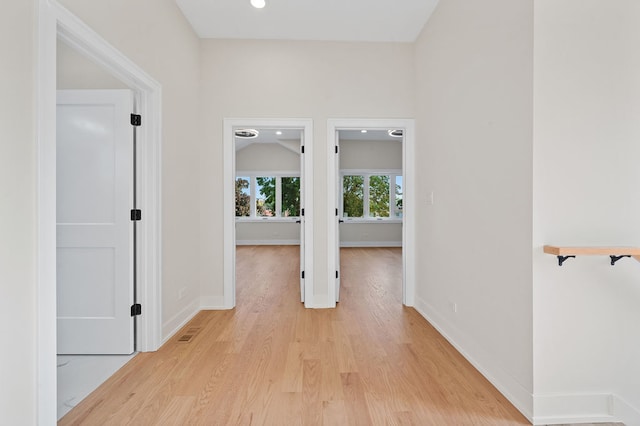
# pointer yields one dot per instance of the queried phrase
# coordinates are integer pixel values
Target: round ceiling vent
(396, 133)
(247, 133)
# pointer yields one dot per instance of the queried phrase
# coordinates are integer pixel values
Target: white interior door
(94, 229)
(302, 185)
(339, 213)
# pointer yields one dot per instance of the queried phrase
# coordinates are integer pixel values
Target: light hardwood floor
(270, 361)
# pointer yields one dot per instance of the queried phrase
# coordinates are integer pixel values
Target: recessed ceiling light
(247, 133)
(258, 4)
(396, 133)
(363, 131)
(278, 132)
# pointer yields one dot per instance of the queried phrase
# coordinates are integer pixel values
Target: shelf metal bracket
(561, 259)
(614, 259)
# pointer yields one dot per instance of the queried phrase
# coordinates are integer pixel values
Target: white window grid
(366, 174)
(253, 188)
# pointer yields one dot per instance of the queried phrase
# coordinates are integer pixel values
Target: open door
(338, 214)
(301, 220)
(94, 224)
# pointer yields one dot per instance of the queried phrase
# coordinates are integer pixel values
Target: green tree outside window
(353, 196)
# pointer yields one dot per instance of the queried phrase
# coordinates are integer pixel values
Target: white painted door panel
(94, 230)
(338, 218)
(302, 189)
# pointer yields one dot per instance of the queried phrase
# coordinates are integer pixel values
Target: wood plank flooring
(270, 361)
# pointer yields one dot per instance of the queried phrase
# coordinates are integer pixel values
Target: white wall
(474, 146)
(370, 154)
(268, 232)
(155, 35)
(586, 192)
(315, 80)
(74, 71)
(17, 215)
(263, 157)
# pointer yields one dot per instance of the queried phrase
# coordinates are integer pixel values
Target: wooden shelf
(615, 253)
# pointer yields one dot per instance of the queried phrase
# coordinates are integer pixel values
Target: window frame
(366, 174)
(253, 187)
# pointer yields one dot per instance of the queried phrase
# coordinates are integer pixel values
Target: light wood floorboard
(270, 361)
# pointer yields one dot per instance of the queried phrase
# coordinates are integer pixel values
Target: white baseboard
(625, 413)
(577, 408)
(370, 243)
(175, 323)
(584, 408)
(213, 303)
(267, 242)
(484, 362)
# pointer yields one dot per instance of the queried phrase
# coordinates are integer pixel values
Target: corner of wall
(484, 362)
(179, 320)
(583, 408)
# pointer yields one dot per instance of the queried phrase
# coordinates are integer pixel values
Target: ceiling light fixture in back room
(258, 4)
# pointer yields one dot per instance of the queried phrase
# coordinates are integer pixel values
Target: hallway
(270, 361)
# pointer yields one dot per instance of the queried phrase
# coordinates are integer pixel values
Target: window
(372, 195)
(290, 189)
(379, 196)
(243, 197)
(353, 196)
(398, 197)
(264, 196)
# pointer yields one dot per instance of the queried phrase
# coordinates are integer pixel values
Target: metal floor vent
(189, 335)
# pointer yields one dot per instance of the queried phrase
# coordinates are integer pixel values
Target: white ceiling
(323, 20)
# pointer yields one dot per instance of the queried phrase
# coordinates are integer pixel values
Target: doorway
(295, 139)
(269, 192)
(55, 23)
(365, 187)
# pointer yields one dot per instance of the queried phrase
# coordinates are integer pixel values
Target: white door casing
(306, 178)
(55, 22)
(338, 218)
(94, 188)
(409, 197)
(302, 219)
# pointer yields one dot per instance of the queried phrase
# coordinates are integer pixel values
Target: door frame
(229, 216)
(53, 22)
(408, 198)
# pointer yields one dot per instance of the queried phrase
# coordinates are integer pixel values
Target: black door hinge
(136, 310)
(336, 212)
(303, 275)
(302, 212)
(136, 214)
(337, 275)
(136, 120)
(302, 148)
(336, 149)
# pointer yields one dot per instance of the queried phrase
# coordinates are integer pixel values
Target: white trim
(484, 362)
(370, 243)
(573, 408)
(371, 220)
(267, 173)
(409, 212)
(267, 219)
(267, 242)
(55, 21)
(625, 412)
(583, 408)
(212, 303)
(229, 215)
